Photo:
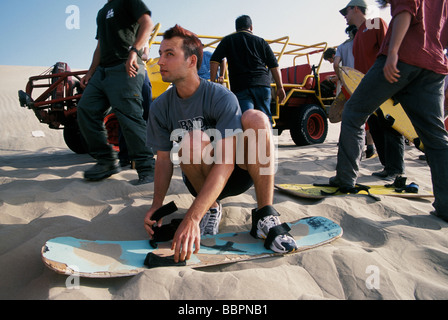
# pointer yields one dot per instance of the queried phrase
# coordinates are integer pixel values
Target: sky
(43, 32)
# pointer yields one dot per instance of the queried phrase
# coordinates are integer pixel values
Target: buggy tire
(310, 126)
(73, 138)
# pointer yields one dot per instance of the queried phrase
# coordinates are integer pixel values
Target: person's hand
(85, 80)
(281, 94)
(391, 72)
(149, 224)
(188, 234)
(220, 80)
(132, 64)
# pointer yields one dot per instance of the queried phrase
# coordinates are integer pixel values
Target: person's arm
(278, 81)
(222, 68)
(400, 27)
(336, 63)
(145, 28)
(145, 54)
(214, 70)
(95, 63)
(162, 177)
(188, 233)
(216, 60)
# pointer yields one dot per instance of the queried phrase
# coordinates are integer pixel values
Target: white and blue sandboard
(108, 259)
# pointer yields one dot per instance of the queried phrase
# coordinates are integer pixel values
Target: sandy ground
(391, 249)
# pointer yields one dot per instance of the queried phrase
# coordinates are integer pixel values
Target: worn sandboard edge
(299, 194)
(318, 197)
(64, 269)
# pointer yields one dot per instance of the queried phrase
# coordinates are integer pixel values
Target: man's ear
(193, 61)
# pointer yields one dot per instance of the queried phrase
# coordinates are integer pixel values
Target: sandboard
(317, 192)
(108, 259)
(392, 112)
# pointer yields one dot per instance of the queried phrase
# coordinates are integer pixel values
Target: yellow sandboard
(310, 191)
(392, 112)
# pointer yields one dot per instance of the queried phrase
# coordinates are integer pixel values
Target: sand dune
(43, 195)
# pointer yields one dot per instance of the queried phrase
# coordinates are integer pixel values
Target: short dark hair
(243, 23)
(382, 3)
(191, 43)
(352, 29)
(329, 53)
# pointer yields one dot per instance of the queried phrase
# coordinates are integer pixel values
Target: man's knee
(195, 146)
(255, 119)
(353, 119)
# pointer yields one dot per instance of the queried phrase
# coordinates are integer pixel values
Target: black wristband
(132, 48)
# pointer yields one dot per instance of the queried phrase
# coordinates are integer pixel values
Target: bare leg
(192, 159)
(259, 158)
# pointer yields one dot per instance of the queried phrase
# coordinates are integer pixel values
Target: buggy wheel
(310, 126)
(112, 127)
(73, 137)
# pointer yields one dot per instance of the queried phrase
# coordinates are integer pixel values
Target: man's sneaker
(101, 171)
(386, 175)
(335, 182)
(268, 226)
(210, 222)
(144, 179)
(282, 243)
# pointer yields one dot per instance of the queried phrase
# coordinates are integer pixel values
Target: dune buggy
(310, 93)
(303, 112)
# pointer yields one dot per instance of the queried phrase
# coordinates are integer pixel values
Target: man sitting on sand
(216, 158)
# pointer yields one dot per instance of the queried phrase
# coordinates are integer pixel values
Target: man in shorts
(206, 120)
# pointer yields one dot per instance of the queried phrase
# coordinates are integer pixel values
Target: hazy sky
(43, 32)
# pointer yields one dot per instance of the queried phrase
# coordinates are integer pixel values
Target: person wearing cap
(371, 33)
(388, 142)
(411, 67)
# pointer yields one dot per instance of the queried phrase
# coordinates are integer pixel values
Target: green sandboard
(109, 259)
(310, 191)
(392, 112)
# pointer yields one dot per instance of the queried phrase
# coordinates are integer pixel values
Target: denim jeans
(258, 98)
(421, 95)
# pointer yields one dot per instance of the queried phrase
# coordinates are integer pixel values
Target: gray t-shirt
(212, 106)
(345, 51)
